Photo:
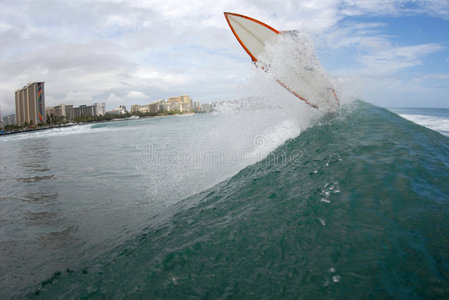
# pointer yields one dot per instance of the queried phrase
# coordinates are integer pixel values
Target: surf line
(252, 34)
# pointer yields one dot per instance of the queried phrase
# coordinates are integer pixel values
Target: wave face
(78, 192)
(357, 205)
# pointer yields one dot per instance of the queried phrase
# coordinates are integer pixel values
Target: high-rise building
(84, 110)
(69, 112)
(101, 108)
(179, 103)
(120, 110)
(140, 108)
(157, 106)
(196, 106)
(59, 111)
(64, 111)
(187, 103)
(30, 104)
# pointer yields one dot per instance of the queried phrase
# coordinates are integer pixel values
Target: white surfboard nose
(251, 33)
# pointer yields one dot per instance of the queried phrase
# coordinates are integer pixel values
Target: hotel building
(84, 110)
(9, 120)
(30, 104)
(101, 108)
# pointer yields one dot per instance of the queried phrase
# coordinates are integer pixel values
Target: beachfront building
(187, 103)
(134, 108)
(84, 110)
(120, 110)
(9, 119)
(140, 108)
(100, 108)
(166, 106)
(30, 104)
(64, 111)
(196, 107)
(156, 106)
(174, 104)
(69, 112)
(173, 100)
(49, 111)
(180, 103)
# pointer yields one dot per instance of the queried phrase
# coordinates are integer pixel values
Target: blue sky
(389, 53)
(414, 63)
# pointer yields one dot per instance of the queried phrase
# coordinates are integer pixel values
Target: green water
(356, 206)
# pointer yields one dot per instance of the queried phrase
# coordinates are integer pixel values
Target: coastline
(27, 130)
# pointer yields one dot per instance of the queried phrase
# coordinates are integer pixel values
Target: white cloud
(113, 100)
(436, 8)
(437, 76)
(391, 59)
(136, 95)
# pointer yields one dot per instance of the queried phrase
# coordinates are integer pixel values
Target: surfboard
(254, 35)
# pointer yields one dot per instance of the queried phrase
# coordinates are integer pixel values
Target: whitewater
(263, 198)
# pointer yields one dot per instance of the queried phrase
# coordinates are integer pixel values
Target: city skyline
(127, 52)
(30, 100)
(99, 108)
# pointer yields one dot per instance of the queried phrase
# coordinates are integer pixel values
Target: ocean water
(253, 202)
(433, 118)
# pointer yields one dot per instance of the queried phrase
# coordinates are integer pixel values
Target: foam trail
(435, 123)
(64, 131)
(68, 131)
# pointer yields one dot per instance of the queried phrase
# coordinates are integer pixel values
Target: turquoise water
(352, 205)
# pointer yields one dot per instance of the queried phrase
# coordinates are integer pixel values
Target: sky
(389, 53)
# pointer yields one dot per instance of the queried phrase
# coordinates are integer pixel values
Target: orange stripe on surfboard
(295, 94)
(336, 98)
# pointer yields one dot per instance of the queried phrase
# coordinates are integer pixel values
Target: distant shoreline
(27, 130)
(37, 129)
